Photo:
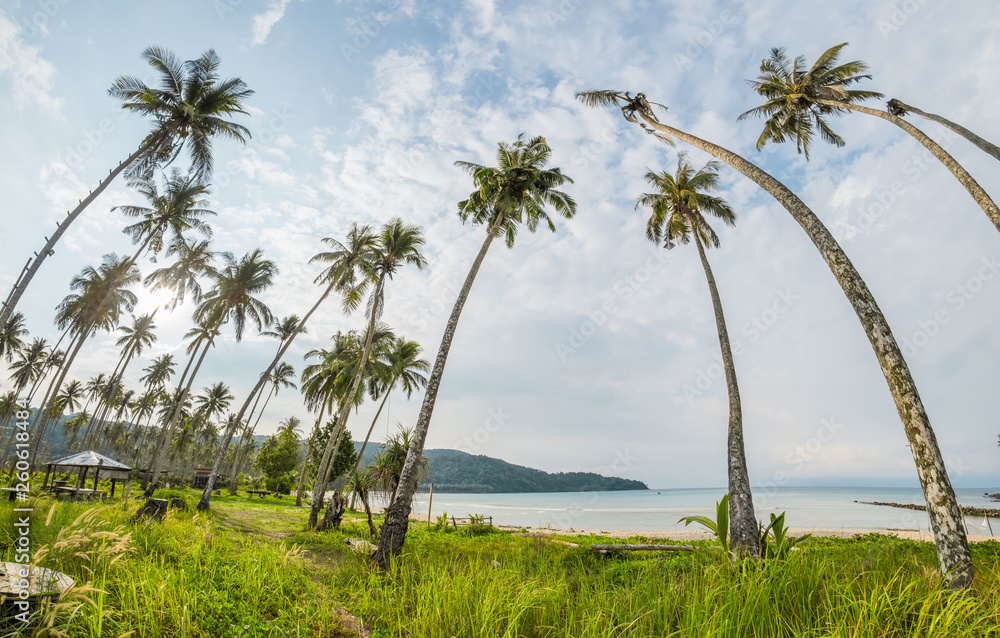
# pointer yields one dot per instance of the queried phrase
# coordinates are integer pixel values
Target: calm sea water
(830, 508)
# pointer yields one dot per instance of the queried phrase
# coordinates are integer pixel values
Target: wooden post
(48, 471)
(430, 501)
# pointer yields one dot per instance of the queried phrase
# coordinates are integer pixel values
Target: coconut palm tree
(901, 109)
(360, 483)
(403, 366)
(177, 208)
(195, 260)
(340, 274)
(232, 300)
(281, 377)
(396, 245)
(942, 506)
(102, 298)
(214, 402)
(189, 106)
(799, 99)
(517, 191)
(29, 367)
(680, 205)
(158, 372)
(12, 335)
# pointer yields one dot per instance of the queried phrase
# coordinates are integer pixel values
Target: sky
(588, 349)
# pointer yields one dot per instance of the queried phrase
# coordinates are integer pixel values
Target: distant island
(457, 471)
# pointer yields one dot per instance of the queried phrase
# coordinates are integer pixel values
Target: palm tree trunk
(743, 528)
(42, 417)
(328, 454)
(249, 431)
(970, 184)
(954, 557)
(397, 517)
(371, 428)
(50, 243)
(983, 145)
(206, 496)
(324, 525)
(302, 477)
(154, 470)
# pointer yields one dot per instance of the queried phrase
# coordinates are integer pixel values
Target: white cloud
(264, 22)
(32, 77)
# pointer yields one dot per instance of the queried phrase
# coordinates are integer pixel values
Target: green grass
(249, 569)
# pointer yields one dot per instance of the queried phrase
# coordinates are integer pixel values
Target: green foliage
(719, 527)
(782, 542)
(278, 455)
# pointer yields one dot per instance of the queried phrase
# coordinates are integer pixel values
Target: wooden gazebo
(83, 462)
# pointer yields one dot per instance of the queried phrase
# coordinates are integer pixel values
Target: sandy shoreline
(697, 534)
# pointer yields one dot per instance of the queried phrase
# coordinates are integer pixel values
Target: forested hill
(456, 471)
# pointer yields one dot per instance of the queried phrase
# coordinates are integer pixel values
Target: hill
(457, 471)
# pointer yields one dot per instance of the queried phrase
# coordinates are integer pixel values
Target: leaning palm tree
(158, 372)
(799, 99)
(942, 506)
(901, 109)
(101, 299)
(680, 204)
(340, 274)
(403, 366)
(517, 191)
(195, 260)
(396, 244)
(233, 300)
(281, 377)
(29, 366)
(175, 208)
(189, 107)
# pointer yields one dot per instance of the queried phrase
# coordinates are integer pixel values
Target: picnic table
(79, 491)
(260, 493)
(11, 492)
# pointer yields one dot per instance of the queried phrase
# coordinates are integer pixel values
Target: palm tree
(942, 506)
(340, 274)
(901, 109)
(70, 398)
(189, 107)
(404, 366)
(158, 372)
(396, 245)
(281, 377)
(679, 207)
(194, 261)
(12, 336)
(214, 402)
(359, 483)
(232, 300)
(102, 298)
(30, 365)
(177, 208)
(517, 191)
(798, 99)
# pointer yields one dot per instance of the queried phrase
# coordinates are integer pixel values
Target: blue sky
(360, 110)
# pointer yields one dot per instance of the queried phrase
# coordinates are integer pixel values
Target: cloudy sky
(362, 107)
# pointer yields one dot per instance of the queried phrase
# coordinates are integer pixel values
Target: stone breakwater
(968, 510)
(995, 497)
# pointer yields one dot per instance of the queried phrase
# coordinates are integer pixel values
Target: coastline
(698, 534)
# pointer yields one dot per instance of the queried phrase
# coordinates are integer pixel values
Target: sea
(806, 508)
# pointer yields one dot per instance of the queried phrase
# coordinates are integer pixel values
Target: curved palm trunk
(942, 506)
(248, 431)
(397, 517)
(42, 416)
(206, 496)
(983, 145)
(319, 426)
(302, 477)
(331, 446)
(982, 198)
(157, 460)
(333, 506)
(371, 428)
(50, 243)
(743, 529)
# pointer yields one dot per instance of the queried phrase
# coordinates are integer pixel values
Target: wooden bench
(472, 520)
(260, 493)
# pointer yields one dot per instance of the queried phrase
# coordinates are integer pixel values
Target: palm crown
(681, 202)
(190, 104)
(795, 96)
(519, 188)
(178, 207)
